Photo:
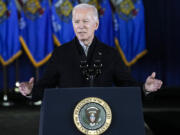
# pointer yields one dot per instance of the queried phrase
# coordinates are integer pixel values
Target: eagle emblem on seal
(92, 116)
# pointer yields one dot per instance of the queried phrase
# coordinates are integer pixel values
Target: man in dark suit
(85, 61)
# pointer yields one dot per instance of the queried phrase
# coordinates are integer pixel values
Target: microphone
(92, 71)
(97, 67)
(84, 69)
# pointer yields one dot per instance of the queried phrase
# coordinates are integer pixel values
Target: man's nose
(81, 25)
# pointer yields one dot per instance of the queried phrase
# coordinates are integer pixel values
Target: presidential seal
(92, 116)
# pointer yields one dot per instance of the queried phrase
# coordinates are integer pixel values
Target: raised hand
(25, 88)
(152, 84)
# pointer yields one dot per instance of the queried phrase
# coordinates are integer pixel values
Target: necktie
(86, 50)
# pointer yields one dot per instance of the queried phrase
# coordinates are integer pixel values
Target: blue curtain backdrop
(62, 21)
(10, 47)
(162, 40)
(36, 30)
(105, 31)
(162, 29)
(129, 28)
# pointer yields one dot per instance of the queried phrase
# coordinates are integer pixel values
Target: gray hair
(86, 6)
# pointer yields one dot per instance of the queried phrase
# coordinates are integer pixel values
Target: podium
(56, 117)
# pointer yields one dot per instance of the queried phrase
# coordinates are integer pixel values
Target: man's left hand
(152, 84)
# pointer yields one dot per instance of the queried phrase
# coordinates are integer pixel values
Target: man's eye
(76, 21)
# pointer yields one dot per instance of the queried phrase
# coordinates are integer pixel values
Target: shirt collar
(83, 45)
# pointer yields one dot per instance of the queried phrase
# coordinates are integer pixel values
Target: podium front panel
(125, 103)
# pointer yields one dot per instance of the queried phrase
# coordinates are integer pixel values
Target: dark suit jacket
(63, 69)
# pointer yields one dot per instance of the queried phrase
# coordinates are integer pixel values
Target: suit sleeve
(49, 78)
(122, 76)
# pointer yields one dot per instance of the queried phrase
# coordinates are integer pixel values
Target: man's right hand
(25, 88)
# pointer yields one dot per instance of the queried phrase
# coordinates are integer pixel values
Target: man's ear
(97, 25)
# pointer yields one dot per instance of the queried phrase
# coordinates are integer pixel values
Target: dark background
(162, 39)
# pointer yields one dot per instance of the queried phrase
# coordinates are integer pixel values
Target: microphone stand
(91, 77)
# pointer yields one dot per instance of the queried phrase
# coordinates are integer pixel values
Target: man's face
(84, 24)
